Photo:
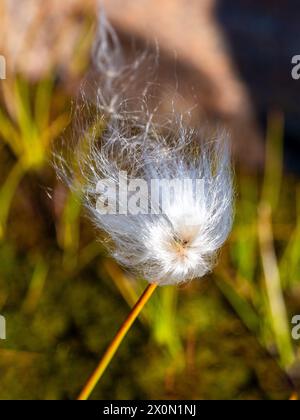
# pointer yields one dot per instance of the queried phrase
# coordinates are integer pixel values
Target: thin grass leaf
(278, 312)
(7, 193)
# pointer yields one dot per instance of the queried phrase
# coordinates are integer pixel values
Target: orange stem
(114, 345)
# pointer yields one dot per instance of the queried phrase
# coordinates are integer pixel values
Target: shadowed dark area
(263, 36)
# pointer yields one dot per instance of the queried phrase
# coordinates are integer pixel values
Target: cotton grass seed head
(160, 189)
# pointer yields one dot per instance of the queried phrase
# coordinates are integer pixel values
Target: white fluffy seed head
(122, 134)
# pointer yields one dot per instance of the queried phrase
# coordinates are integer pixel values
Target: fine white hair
(124, 132)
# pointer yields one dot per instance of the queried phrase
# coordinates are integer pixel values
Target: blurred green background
(227, 336)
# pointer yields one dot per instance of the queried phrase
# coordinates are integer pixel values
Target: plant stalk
(114, 345)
